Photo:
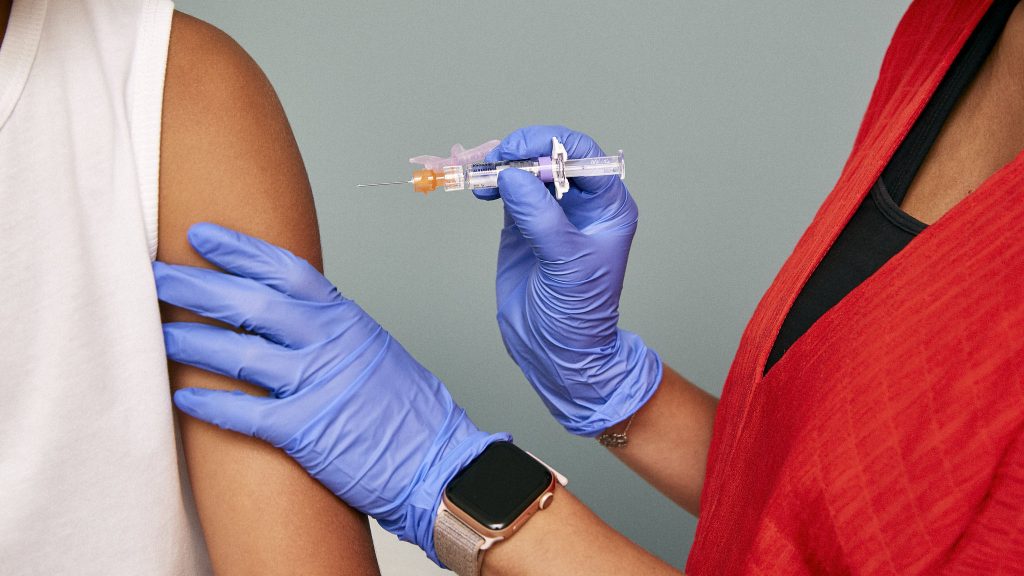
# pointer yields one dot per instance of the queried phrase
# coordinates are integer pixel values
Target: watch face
(498, 485)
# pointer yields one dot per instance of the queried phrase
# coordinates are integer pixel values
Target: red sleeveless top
(888, 439)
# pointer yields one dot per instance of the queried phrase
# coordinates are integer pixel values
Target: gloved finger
(486, 193)
(231, 410)
(535, 141)
(239, 356)
(537, 215)
(508, 221)
(245, 303)
(262, 261)
(515, 255)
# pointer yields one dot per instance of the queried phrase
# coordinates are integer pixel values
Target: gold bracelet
(616, 439)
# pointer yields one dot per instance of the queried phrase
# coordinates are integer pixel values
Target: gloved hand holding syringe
(464, 173)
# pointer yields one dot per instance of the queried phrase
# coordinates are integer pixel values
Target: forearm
(669, 439)
(568, 538)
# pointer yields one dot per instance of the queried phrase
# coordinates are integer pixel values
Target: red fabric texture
(888, 439)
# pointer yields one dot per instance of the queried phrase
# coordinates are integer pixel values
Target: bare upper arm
(228, 156)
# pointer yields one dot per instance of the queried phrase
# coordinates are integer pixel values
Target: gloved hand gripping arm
(346, 400)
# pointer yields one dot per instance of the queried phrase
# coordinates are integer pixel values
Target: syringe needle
(383, 184)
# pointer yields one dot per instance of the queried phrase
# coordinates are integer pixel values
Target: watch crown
(545, 500)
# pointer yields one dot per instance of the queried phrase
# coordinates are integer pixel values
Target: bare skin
(983, 133)
(677, 420)
(228, 156)
(568, 538)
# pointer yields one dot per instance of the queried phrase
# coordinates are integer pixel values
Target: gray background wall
(736, 119)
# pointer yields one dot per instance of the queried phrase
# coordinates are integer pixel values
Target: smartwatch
(488, 501)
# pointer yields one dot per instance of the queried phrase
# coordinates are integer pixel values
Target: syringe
(557, 169)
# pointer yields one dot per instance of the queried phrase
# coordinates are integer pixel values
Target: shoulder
(211, 81)
(924, 36)
(227, 153)
(202, 56)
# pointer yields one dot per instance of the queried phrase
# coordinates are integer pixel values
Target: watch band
(457, 545)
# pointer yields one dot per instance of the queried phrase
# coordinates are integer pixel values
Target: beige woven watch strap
(457, 545)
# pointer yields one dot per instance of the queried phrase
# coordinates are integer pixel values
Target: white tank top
(91, 476)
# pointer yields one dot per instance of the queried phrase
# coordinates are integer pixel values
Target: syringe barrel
(600, 166)
(485, 174)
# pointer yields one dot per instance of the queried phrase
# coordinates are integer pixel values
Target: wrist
(488, 502)
(568, 538)
(627, 379)
(458, 442)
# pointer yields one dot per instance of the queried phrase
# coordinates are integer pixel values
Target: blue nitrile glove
(560, 271)
(347, 401)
